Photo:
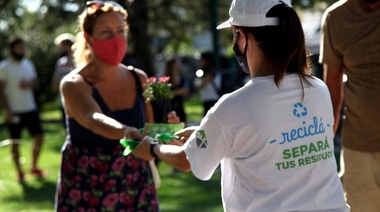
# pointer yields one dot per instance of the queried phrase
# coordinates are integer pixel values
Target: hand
(25, 84)
(132, 132)
(143, 149)
(185, 133)
(173, 118)
(8, 117)
(178, 142)
(336, 125)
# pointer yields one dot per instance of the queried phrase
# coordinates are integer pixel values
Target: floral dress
(95, 176)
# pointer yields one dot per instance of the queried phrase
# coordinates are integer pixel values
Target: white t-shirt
(63, 67)
(19, 100)
(275, 147)
(209, 92)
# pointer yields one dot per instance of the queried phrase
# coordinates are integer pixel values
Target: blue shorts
(29, 120)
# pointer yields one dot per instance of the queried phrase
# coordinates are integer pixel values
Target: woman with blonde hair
(104, 103)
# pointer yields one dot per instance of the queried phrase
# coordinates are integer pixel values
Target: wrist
(126, 131)
(151, 149)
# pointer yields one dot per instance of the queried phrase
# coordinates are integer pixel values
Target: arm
(185, 133)
(29, 84)
(4, 101)
(149, 112)
(80, 105)
(333, 77)
(208, 78)
(148, 107)
(184, 91)
(170, 154)
(55, 82)
(173, 155)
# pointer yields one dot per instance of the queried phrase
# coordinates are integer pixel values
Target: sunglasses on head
(99, 4)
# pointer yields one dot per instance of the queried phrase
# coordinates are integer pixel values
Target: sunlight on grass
(184, 192)
(194, 109)
(178, 192)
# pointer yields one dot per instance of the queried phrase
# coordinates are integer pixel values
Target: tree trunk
(138, 23)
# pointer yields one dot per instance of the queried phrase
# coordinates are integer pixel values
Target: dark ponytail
(283, 45)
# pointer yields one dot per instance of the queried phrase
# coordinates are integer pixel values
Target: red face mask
(110, 51)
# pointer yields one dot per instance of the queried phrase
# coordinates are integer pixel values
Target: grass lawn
(178, 191)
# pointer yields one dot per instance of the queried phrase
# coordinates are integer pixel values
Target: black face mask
(241, 58)
(16, 56)
(63, 54)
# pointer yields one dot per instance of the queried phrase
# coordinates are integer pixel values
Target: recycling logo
(201, 139)
(299, 110)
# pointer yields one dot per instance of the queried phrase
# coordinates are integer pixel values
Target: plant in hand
(158, 88)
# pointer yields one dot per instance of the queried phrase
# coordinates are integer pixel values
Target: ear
(242, 35)
(87, 37)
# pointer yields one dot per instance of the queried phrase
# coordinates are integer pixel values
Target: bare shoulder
(140, 72)
(73, 82)
(142, 75)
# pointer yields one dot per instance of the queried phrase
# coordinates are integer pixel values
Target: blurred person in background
(210, 83)
(350, 44)
(63, 66)
(180, 87)
(18, 79)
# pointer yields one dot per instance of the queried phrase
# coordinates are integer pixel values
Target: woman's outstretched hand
(132, 132)
(173, 118)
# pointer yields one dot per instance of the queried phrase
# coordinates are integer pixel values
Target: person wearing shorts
(18, 78)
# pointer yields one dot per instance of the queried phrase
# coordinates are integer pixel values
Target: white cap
(252, 13)
(64, 36)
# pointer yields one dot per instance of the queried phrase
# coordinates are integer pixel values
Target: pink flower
(152, 79)
(124, 198)
(94, 162)
(164, 79)
(132, 162)
(103, 167)
(142, 195)
(93, 202)
(76, 180)
(64, 209)
(83, 162)
(110, 184)
(66, 167)
(118, 164)
(158, 89)
(93, 180)
(91, 210)
(103, 177)
(63, 188)
(86, 195)
(75, 195)
(129, 180)
(136, 176)
(81, 209)
(154, 205)
(111, 200)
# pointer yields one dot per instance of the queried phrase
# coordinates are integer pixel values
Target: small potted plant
(158, 92)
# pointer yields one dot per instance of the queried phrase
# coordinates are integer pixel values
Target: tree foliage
(156, 27)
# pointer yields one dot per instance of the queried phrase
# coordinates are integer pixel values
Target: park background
(159, 29)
